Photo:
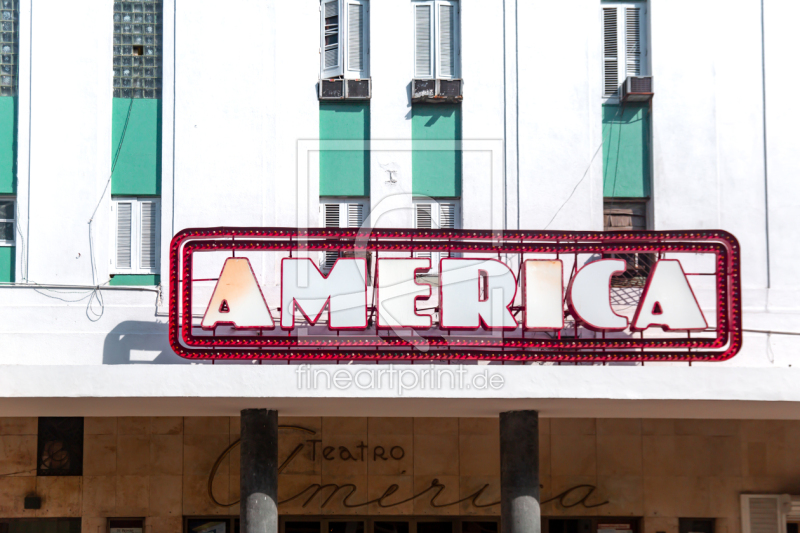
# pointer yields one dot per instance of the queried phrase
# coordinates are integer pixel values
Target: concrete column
(259, 471)
(519, 472)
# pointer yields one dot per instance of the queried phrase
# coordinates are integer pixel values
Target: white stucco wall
(240, 108)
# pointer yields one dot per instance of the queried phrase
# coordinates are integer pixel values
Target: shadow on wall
(134, 342)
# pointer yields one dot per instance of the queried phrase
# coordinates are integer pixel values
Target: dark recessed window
(60, 449)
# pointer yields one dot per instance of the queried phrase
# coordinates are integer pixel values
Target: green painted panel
(344, 172)
(138, 164)
(626, 151)
(138, 280)
(8, 257)
(436, 173)
(8, 145)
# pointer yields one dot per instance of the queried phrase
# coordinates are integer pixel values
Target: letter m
(344, 290)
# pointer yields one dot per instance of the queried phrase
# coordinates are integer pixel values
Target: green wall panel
(626, 151)
(138, 167)
(436, 173)
(343, 172)
(8, 145)
(8, 255)
(135, 279)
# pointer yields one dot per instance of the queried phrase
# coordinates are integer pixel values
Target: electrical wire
(585, 173)
(96, 296)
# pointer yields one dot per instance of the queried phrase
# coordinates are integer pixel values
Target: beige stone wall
(657, 469)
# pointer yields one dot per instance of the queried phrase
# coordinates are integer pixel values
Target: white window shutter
(633, 41)
(330, 47)
(424, 220)
(355, 215)
(356, 38)
(423, 40)
(763, 513)
(148, 235)
(331, 219)
(124, 235)
(331, 215)
(447, 40)
(447, 216)
(610, 52)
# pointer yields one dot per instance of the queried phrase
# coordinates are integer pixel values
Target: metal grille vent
(9, 48)
(137, 49)
(642, 85)
(60, 446)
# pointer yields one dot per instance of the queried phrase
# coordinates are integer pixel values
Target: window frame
(136, 223)
(12, 220)
(343, 70)
(644, 39)
(436, 52)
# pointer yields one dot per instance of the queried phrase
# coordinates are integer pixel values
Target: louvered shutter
(355, 215)
(356, 38)
(331, 220)
(423, 40)
(124, 235)
(610, 52)
(423, 220)
(633, 41)
(762, 513)
(148, 235)
(331, 50)
(447, 220)
(447, 41)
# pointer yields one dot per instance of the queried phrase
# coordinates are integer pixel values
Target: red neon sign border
(721, 243)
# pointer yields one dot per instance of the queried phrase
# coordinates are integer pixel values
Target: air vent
(637, 89)
(436, 91)
(359, 89)
(331, 89)
(340, 89)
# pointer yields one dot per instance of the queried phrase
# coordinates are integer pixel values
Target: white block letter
(237, 299)
(668, 300)
(474, 291)
(398, 292)
(590, 295)
(542, 294)
(344, 290)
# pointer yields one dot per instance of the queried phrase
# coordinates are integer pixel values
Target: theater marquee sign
(250, 293)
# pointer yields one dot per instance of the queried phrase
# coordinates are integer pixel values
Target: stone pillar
(259, 471)
(519, 472)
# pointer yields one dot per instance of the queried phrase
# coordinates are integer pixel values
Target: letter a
(237, 299)
(668, 300)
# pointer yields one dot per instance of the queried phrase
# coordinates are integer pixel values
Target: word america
(473, 293)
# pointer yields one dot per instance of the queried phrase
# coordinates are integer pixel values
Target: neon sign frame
(500, 347)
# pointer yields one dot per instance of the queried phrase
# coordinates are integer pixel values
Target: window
(433, 214)
(136, 235)
(340, 214)
(696, 525)
(10, 48)
(7, 233)
(137, 49)
(437, 51)
(629, 215)
(624, 44)
(125, 525)
(344, 33)
(60, 446)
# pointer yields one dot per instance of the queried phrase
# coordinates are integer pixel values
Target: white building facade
(200, 114)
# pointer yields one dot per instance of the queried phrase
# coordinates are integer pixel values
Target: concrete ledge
(556, 391)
